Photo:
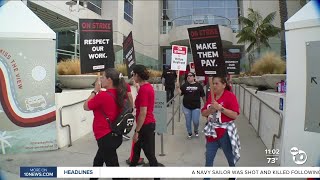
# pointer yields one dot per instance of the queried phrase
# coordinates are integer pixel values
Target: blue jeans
(191, 115)
(212, 148)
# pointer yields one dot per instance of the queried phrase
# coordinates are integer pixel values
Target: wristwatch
(222, 109)
(95, 93)
(136, 131)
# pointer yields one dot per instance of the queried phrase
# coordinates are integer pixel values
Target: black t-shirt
(192, 94)
(170, 78)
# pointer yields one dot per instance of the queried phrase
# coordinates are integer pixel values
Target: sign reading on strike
(128, 54)
(96, 45)
(179, 58)
(207, 50)
(232, 60)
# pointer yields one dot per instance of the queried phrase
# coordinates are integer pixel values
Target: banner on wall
(207, 50)
(96, 45)
(179, 58)
(129, 54)
(232, 59)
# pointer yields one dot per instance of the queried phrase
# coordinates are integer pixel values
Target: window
(93, 5)
(128, 10)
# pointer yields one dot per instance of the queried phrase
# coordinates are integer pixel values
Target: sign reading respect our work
(207, 50)
(128, 54)
(179, 58)
(96, 45)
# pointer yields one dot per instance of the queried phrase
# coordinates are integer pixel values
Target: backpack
(124, 121)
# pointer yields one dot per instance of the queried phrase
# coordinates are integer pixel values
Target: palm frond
(251, 46)
(245, 21)
(270, 17)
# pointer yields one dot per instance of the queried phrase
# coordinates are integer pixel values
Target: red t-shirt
(229, 101)
(146, 98)
(103, 102)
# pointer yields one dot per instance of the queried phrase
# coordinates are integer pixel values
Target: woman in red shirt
(144, 136)
(220, 129)
(103, 105)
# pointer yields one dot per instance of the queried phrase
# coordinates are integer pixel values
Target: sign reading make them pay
(179, 58)
(312, 122)
(160, 112)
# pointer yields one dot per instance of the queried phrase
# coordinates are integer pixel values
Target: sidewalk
(178, 149)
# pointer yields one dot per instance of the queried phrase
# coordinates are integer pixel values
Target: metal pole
(161, 141)
(179, 107)
(258, 133)
(173, 118)
(250, 108)
(75, 43)
(244, 101)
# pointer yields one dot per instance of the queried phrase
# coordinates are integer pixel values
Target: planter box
(241, 81)
(273, 79)
(77, 81)
(259, 81)
(235, 80)
(245, 80)
(251, 81)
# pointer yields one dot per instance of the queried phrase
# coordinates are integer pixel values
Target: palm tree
(283, 18)
(4, 142)
(257, 30)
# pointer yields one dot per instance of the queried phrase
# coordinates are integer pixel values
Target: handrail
(278, 135)
(171, 119)
(68, 125)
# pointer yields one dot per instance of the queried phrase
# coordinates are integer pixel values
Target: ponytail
(120, 85)
(121, 92)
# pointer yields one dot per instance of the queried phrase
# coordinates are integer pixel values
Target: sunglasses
(190, 75)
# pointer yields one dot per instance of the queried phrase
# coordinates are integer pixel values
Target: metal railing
(68, 125)
(171, 119)
(278, 135)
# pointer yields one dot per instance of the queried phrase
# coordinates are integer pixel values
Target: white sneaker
(189, 136)
(197, 134)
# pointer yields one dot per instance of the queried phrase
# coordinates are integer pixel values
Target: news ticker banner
(169, 172)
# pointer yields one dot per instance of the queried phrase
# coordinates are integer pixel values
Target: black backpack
(124, 121)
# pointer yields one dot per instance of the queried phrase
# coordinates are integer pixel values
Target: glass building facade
(186, 12)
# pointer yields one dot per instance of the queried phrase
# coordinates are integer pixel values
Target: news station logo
(299, 156)
(38, 172)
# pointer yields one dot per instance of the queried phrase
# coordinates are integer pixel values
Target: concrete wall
(300, 30)
(79, 120)
(269, 120)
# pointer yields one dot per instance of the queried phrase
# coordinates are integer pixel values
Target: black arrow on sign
(313, 80)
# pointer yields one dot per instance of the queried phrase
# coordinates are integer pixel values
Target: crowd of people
(220, 110)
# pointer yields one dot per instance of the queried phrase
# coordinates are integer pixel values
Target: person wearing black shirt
(170, 77)
(192, 92)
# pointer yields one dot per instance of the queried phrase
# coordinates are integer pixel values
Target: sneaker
(126, 137)
(140, 162)
(189, 136)
(196, 133)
